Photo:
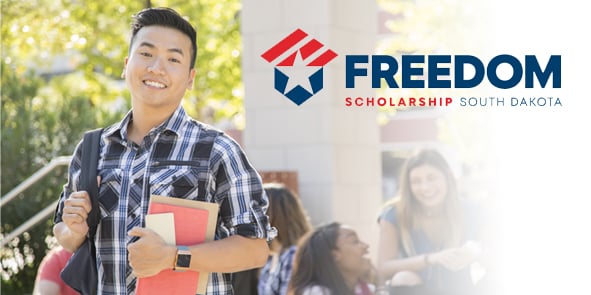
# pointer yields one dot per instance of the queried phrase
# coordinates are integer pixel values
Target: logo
(299, 49)
(438, 72)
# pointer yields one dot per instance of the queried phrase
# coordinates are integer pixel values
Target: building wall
(334, 150)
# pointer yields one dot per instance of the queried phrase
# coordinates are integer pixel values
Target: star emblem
(299, 74)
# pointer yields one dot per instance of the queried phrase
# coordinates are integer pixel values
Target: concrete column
(334, 148)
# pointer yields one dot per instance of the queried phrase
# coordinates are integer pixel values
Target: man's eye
(175, 60)
(145, 54)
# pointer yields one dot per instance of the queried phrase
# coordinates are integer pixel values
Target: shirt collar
(174, 124)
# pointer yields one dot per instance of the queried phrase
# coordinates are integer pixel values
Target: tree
(93, 36)
(61, 65)
(37, 125)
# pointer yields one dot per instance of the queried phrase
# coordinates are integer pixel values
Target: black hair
(315, 265)
(166, 17)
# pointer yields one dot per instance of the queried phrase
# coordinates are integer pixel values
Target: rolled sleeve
(239, 190)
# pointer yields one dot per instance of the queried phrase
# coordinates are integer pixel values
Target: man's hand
(75, 212)
(150, 254)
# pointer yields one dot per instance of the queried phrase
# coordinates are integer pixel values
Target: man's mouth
(154, 84)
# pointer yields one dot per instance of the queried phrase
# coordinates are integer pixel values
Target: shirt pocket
(109, 191)
(179, 179)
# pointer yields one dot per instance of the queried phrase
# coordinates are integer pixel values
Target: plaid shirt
(274, 277)
(180, 158)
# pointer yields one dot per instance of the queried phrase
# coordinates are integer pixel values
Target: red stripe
(310, 48)
(323, 59)
(283, 45)
(288, 62)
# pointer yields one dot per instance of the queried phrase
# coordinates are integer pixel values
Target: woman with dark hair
(289, 217)
(427, 236)
(331, 260)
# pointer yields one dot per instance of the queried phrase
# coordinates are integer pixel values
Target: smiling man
(157, 149)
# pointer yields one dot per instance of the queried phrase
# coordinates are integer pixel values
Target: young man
(158, 150)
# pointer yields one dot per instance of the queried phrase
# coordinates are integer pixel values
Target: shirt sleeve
(50, 268)
(239, 191)
(70, 186)
(286, 263)
(389, 214)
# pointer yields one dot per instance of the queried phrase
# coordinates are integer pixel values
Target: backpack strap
(88, 176)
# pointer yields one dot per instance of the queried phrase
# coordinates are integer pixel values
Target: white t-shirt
(320, 290)
(316, 290)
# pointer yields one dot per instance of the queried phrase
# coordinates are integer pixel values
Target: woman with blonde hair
(426, 234)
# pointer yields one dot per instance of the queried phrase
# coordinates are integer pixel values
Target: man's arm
(72, 230)
(149, 255)
(70, 227)
(67, 238)
(232, 254)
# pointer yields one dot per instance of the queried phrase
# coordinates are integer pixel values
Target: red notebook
(194, 223)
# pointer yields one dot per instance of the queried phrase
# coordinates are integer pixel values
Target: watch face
(183, 260)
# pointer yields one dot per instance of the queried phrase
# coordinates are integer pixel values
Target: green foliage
(38, 124)
(93, 37)
(23, 89)
(218, 85)
(61, 66)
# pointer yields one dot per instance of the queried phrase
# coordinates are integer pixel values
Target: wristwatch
(183, 258)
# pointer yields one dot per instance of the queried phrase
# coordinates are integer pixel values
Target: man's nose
(156, 66)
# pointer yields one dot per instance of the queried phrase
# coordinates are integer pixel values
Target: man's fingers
(76, 210)
(137, 232)
(79, 199)
(71, 218)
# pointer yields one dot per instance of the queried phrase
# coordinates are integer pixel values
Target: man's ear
(124, 67)
(191, 79)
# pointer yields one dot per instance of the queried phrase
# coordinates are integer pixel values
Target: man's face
(158, 70)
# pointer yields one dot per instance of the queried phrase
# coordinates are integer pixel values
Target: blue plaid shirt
(274, 277)
(180, 158)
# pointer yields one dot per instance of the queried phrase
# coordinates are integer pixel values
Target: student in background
(331, 260)
(428, 238)
(288, 216)
(48, 281)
